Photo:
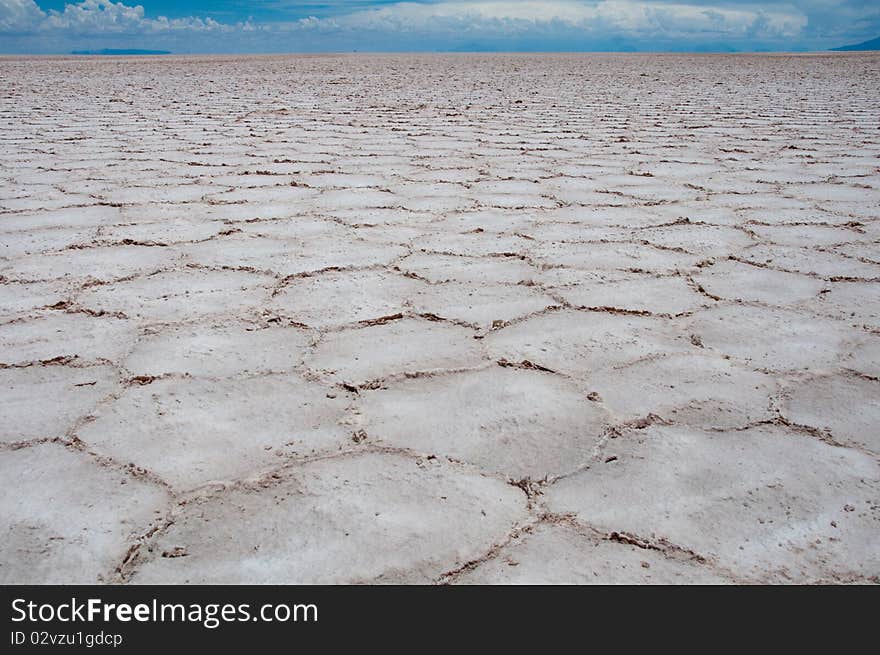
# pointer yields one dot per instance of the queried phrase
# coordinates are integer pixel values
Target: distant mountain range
(111, 51)
(873, 44)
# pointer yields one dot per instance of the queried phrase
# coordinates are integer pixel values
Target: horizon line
(161, 54)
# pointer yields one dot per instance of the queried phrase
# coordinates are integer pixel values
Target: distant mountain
(873, 44)
(111, 51)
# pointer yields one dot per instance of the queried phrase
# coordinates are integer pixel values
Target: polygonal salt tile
(191, 432)
(613, 256)
(637, 293)
(518, 423)
(298, 227)
(604, 217)
(559, 554)
(846, 406)
(407, 346)
(482, 305)
(864, 357)
(770, 172)
(404, 235)
(765, 503)
(578, 343)
(445, 268)
(857, 303)
(169, 230)
(218, 350)
(574, 232)
(514, 200)
(809, 215)
(180, 295)
(375, 517)
(176, 193)
(659, 191)
(734, 280)
(326, 252)
(29, 242)
(341, 180)
(251, 180)
(243, 251)
(807, 260)
(44, 402)
(54, 334)
(435, 203)
(485, 218)
(203, 211)
(395, 216)
(864, 251)
(770, 203)
(703, 240)
(70, 217)
(509, 187)
(49, 201)
(79, 265)
(448, 174)
(829, 193)
(702, 390)
(804, 236)
(363, 199)
(277, 194)
(771, 338)
(342, 297)
(474, 244)
(22, 298)
(71, 519)
(588, 198)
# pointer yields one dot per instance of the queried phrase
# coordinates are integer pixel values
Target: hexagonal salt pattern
(387, 516)
(72, 517)
(418, 325)
(765, 502)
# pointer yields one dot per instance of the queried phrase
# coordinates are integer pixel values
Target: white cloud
(615, 16)
(99, 16)
(19, 15)
(450, 24)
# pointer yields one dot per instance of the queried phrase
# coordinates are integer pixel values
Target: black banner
(133, 619)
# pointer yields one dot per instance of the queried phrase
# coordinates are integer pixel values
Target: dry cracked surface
(452, 319)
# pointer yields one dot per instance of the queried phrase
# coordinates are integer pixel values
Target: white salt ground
(469, 319)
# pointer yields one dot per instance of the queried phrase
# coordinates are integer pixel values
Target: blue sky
(202, 26)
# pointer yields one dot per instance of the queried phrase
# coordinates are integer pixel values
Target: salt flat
(457, 319)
